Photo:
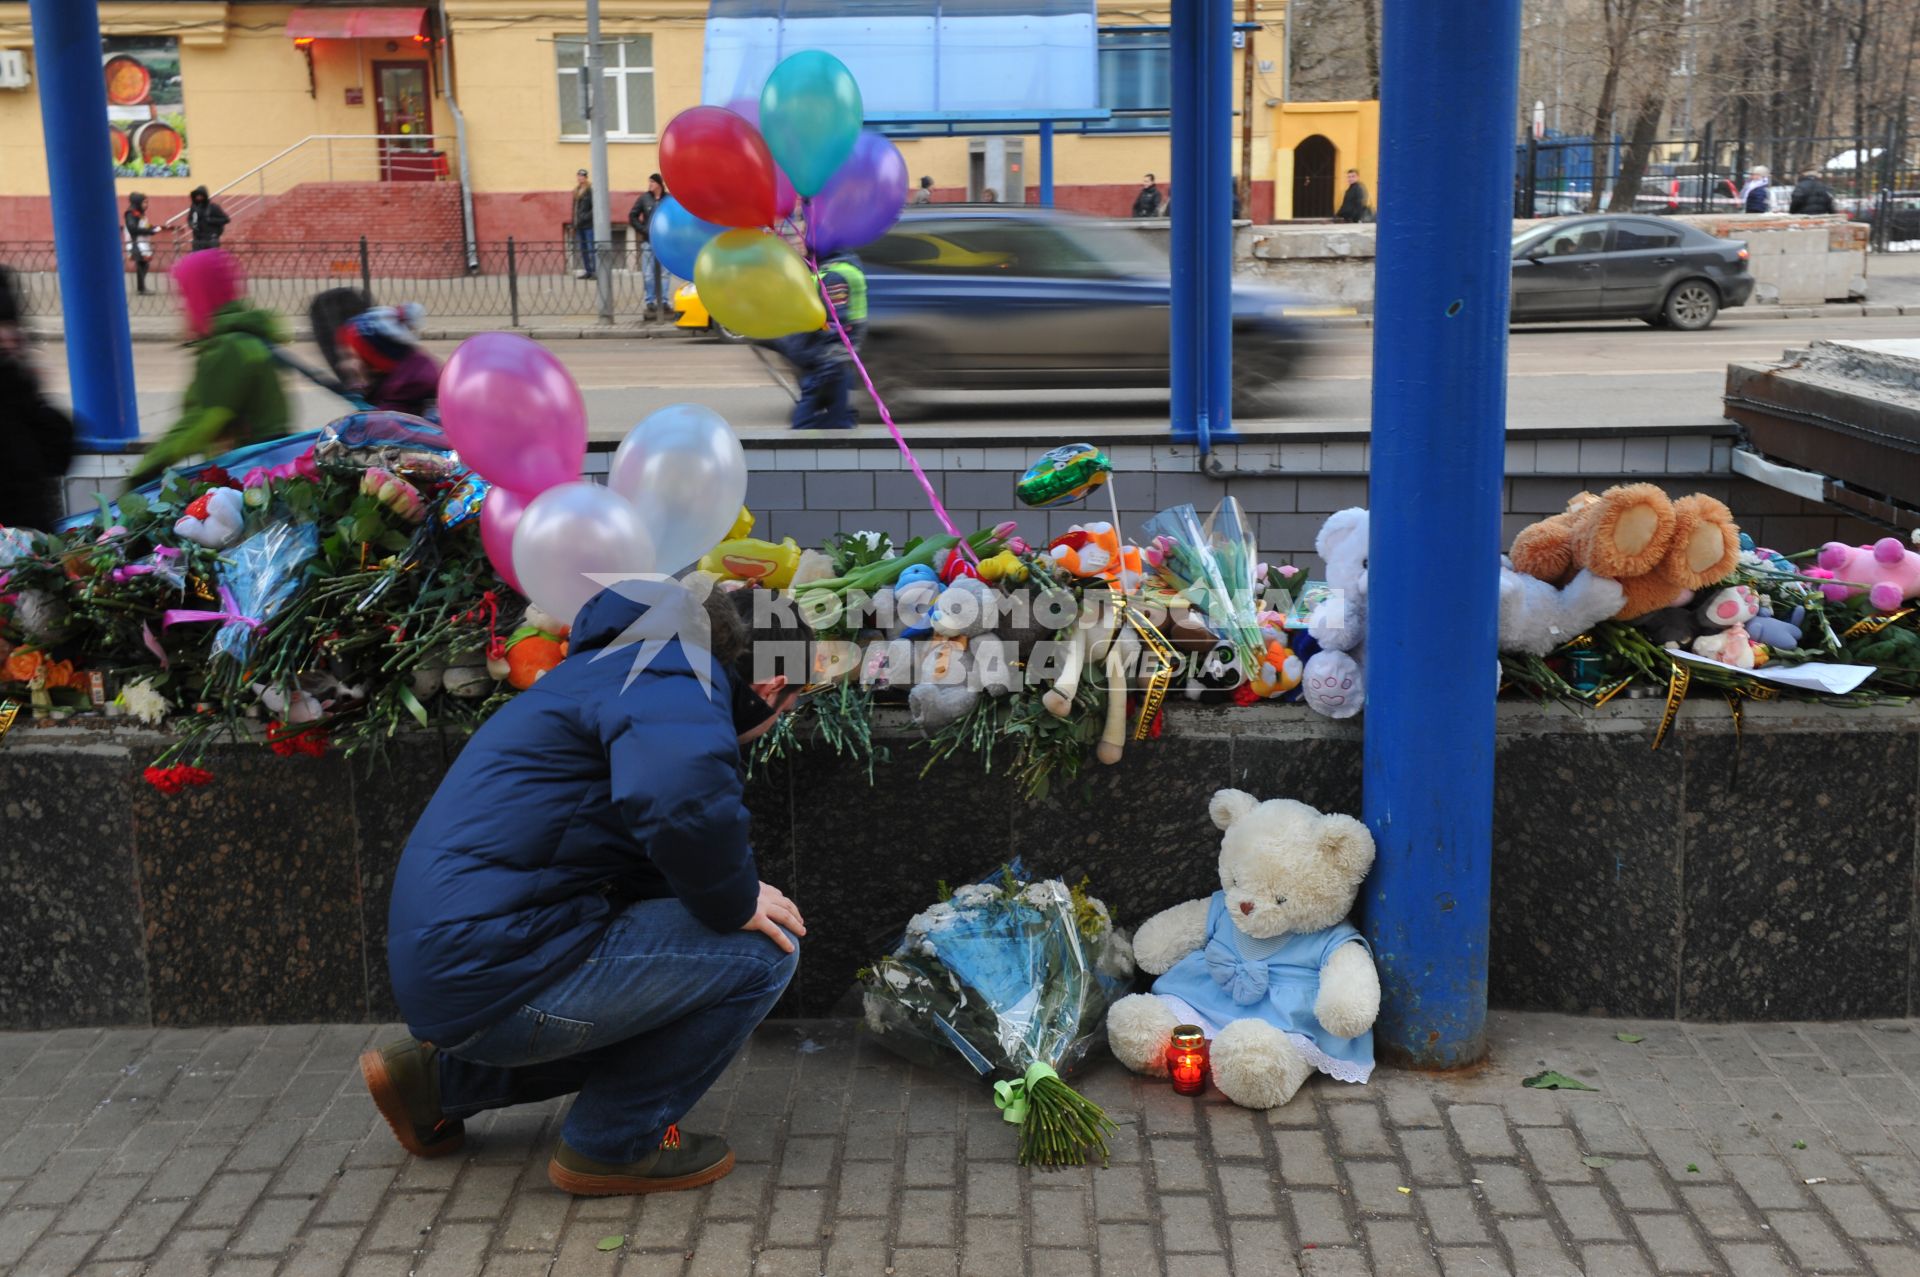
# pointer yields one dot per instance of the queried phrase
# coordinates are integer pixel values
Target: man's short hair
(1353, 172)
(1149, 177)
(926, 181)
(1811, 175)
(581, 173)
(655, 177)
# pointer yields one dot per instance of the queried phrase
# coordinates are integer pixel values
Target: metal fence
(515, 283)
(1872, 180)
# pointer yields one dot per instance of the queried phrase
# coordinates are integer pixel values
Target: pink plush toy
(1889, 570)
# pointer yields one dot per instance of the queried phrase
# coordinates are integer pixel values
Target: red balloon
(718, 166)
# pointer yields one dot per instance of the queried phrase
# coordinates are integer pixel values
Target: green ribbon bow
(1011, 1097)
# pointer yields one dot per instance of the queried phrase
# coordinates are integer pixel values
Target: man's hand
(774, 912)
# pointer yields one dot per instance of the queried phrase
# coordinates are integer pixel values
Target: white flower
(973, 895)
(873, 1006)
(935, 918)
(896, 977)
(1042, 894)
(144, 701)
(1116, 956)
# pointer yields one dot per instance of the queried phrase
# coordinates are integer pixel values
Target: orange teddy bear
(1657, 549)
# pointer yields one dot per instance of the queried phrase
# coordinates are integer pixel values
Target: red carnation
(1245, 695)
(171, 780)
(217, 476)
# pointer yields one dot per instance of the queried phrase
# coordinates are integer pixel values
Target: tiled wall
(810, 492)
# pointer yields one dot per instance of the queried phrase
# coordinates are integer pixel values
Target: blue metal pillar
(1046, 164)
(1201, 188)
(1448, 104)
(86, 228)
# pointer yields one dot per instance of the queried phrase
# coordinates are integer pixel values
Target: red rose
(1245, 695)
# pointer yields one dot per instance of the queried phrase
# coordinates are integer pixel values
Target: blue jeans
(583, 238)
(655, 284)
(640, 1030)
(826, 376)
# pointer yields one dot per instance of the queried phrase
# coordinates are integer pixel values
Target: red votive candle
(1187, 1060)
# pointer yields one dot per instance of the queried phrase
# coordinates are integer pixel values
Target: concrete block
(1521, 454)
(1644, 456)
(1557, 456)
(1601, 456)
(1343, 456)
(839, 490)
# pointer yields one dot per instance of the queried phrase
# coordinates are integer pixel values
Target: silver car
(991, 297)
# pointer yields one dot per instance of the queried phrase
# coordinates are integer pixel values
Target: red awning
(356, 24)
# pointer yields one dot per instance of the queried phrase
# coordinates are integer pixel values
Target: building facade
(326, 122)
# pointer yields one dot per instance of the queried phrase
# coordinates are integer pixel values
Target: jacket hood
(244, 317)
(611, 613)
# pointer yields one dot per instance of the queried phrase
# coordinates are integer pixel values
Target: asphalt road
(1559, 376)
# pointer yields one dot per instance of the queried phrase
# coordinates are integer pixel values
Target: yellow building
(279, 108)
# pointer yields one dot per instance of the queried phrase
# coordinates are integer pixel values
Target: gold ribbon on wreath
(1874, 624)
(1676, 692)
(1165, 663)
(9, 710)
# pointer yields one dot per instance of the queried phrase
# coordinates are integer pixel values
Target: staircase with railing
(330, 157)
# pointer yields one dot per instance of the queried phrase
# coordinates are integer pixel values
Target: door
(1560, 275)
(403, 117)
(1644, 261)
(1313, 178)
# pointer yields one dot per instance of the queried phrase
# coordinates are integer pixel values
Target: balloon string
(939, 510)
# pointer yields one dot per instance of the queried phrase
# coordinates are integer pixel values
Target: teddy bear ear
(1347, 844)
(1229, 805)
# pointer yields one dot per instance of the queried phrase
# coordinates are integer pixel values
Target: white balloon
(683, 469)
(571, 530)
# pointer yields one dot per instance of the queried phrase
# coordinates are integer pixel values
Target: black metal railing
(1872, 179)
(514, 284)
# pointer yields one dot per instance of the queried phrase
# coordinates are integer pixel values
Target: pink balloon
(499, 516)
(785, 198)
(513, 412)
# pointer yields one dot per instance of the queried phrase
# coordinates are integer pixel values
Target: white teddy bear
(1334, 681)
(214, 519)
(1268, 966)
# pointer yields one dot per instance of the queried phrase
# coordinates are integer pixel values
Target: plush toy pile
(341, 594)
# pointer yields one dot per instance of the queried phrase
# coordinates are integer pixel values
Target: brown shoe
(405, 1085)
(681, 1161)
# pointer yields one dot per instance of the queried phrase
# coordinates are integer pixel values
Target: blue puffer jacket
(573, 798)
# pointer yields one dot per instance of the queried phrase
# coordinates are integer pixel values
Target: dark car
(1626, 267)
(1008, 298)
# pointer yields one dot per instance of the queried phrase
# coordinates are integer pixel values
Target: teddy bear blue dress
(1232, 976)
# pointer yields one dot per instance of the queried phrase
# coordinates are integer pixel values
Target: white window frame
(619, 76)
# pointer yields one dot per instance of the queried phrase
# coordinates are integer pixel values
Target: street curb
(617, 332)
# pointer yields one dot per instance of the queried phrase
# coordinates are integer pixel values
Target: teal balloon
(810, 114)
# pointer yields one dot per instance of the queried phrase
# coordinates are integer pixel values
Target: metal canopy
(930, 62)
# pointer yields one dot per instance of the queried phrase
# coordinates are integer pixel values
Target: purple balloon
(785, 198)
(862, 198)
(499, 516)
(513, 412)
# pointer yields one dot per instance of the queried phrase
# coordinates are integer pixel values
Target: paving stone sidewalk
(1742, 1150)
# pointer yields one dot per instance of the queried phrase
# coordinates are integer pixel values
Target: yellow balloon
(752, 283)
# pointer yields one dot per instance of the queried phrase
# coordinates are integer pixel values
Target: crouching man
(578, 911)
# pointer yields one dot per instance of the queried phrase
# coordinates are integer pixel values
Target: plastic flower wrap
(257, 578)
(1212, 564)
(1015, 979)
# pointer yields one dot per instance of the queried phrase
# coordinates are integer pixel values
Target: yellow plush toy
(748, 559)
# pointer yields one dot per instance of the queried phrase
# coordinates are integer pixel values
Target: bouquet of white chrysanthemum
(1015, 978)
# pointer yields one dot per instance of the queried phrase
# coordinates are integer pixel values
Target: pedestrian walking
(1353, 205)
(583, 224)
(655, 283)
(1754, 196)
(821, 359)
(139, 238)
(1148, 202)
(1811, 195)
(206, 220)
(36, 438)
(235, 397)
(578, 911)
(925, 194)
